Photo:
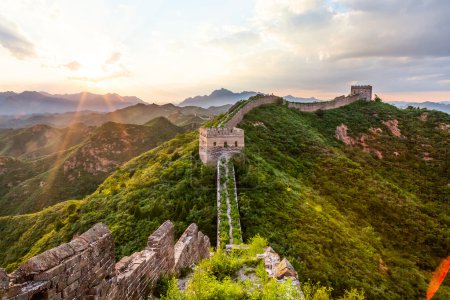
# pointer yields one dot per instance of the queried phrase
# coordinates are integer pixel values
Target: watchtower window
(214, 144)
(225, 144)
(235, 144)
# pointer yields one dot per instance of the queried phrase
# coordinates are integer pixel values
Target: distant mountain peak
(221, 92)
(218, 97)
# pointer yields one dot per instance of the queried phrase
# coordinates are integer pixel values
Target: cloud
(114, 58)
(352, 28)
(239, 41)
(328, 45)
(12, 39)
(73, 65)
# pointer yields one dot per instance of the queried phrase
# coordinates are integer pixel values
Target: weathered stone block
(35, 265)
(70, 290)
(51, 273)
(63, 251)
(78, 244)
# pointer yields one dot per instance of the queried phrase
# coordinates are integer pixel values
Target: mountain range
(441, 105)
(135, 114)
(30, 107)
(226, 97)
(31, 102)
(42, 165)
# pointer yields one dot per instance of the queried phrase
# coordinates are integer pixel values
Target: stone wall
(192, 246)
(239, 116)
(85, 267)
(314, 106)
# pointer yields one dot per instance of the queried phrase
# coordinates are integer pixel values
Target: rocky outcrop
(444, 127)
(285, 270)
(423, 117)
(392, 125)
(86, 268)
(341, 134)
(279, 269)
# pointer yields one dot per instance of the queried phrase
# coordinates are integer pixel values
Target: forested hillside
(355, 197)
(52, 165)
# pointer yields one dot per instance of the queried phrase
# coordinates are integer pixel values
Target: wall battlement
(221, 131)
(86, 268)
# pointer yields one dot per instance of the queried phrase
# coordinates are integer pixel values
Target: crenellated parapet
(85, 268)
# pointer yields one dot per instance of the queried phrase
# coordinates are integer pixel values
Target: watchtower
(364, 91)
(219, 140)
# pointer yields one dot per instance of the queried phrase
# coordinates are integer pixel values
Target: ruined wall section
(86, 268)
(68, 270)
(192, 247)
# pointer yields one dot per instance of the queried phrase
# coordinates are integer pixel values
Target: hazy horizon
(178, 101)
(165, 52)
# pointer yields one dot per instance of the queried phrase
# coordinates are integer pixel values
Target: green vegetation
(228, 201)
(224, 224)
(217, 278)
(342, 216)
(77, 167)
(25, 236)
(234, 210)
(168, 182)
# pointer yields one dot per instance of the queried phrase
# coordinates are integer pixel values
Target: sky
(165, 51)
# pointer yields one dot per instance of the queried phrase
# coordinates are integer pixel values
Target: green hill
(77, 170)
(370, 215)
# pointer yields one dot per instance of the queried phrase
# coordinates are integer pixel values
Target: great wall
(85, 268)
(226, 138)
(218, 144)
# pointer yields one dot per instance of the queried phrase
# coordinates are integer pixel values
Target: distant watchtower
(219, 140)
(364, 91)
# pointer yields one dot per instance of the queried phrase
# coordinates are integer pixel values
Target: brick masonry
(85, 268)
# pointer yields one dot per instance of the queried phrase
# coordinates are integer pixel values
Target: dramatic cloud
(351, 29)
(12, 39)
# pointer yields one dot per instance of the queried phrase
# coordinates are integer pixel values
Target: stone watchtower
(364, 91)
(219, 140)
